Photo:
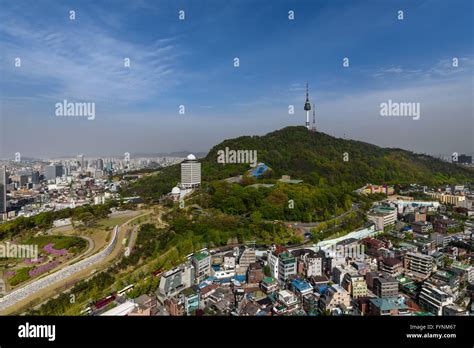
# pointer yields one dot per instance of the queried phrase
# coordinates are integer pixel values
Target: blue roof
(322, 288)
(389, 303)
(301, 285)
(261, 168)
(240, 278)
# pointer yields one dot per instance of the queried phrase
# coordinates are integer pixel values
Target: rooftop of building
(286, 257)
(460, 265)
(385, 280)
(382, 210)
(301, 285)
(120, 310)
(269, 280)
(389, 303)
(201, 255)
(189, 292)
(255, 266)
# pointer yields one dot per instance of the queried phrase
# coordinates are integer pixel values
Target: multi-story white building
(286, 267)
(202, 264)
(176, 280)
(313, 264)
(419, 264)
(434, 299)
(229, 260)
(382, 216)
(246, 258)
(190, 173)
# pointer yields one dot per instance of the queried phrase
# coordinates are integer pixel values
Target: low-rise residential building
(355, 284)
(288, 299)
(455, 310)
(434, 299)
(422, 227)
(391, 266)
(174, 306)
(301, 287)
(385, 287)
(419, 264)
(246, 258)
(255, 273)
(334, 297)
(388, 306)
(191, 300)
(310, 263)
(269, 285)
(229, 260)
(463, 269)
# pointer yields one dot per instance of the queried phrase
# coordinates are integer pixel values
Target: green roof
(188, 292)
(201, 256)
(268, 280)
(460, 265)
(386, 304)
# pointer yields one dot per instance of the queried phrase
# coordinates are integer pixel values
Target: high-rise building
(35, 177)
(53, 171)
(23, 180)
(465, 159)
(190, 172)
(81, 160)
(3, 189)
(286, 267)
(100, 164)
(202, 264)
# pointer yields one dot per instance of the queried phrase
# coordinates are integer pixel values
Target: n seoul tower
(307, 107)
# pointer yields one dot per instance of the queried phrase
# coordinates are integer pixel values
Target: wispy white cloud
(84, 62)
(443, 68)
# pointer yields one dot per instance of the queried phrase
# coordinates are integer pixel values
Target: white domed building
(190, 173)
(175, 193)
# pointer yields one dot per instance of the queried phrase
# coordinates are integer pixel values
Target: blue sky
(190, 63)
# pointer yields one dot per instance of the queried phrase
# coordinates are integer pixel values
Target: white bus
(125, 290)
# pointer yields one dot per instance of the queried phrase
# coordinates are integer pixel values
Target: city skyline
(191, 63)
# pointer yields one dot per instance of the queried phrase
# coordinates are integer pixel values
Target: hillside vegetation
(318, 159)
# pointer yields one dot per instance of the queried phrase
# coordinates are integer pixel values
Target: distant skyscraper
(100, 164)
(81, 160)
(307, 106)
(53, 171)
(35, 177)
(190, 172)
(23, 180)
(3, 189)
(465, 159)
